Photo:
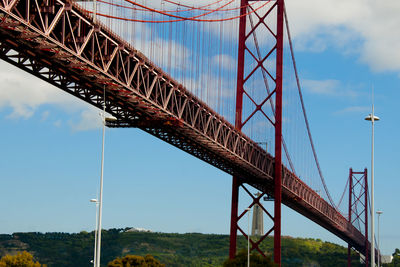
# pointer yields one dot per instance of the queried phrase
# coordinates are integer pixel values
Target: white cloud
(354, 109)
(57, 123)
(89, 119)
(321, 87)
(45, 115)
(365, 27)
(24, 94)
(317, 24)
(227, 61)
(330, 87)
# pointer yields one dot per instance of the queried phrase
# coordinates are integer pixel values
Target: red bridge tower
(271, 17)
(358, 207)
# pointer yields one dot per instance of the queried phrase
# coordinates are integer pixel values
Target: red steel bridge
(64, 44)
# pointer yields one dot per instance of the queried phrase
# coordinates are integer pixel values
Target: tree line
(170, 249)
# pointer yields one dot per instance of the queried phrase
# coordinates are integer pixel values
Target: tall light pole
(98, 246)
(104, 119)
(372, 118)
(94, 10)
(248, 236)
(93, 200)
(379, 212)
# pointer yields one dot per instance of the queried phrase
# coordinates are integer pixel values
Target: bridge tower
(270, 20)
(358, 207)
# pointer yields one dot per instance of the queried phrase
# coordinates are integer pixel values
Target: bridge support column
(252, 62)
(278, 134)
(358, 208)
(238, 125)
(234, 217)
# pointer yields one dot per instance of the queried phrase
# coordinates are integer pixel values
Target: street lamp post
(248, 236)
(379, 212)
(371, 117)
(100, 201)
(93, 200)
(98, 246)
(94, 10)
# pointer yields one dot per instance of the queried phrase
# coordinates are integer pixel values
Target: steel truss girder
(58, 42)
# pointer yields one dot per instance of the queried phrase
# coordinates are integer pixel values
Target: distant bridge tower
(358, 207)
(257, 226)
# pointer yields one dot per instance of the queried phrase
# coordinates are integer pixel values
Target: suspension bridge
(218, 81)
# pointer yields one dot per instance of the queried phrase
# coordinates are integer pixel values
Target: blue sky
(51, 142)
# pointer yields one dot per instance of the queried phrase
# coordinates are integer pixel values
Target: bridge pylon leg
(234, 217)
(278, 133)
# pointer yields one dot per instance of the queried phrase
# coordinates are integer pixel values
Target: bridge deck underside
(59, 43)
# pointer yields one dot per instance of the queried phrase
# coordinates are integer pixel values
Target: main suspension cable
(172, 11)
(203, 8)
(181, 18)
(344, 192)
(305, 114)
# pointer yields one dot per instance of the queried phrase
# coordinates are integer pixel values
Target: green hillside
(192, 249)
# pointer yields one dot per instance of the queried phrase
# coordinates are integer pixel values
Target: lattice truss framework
(358, 208)
(252, 65)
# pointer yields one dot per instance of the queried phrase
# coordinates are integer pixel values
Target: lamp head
(369, 118)
(110, 119)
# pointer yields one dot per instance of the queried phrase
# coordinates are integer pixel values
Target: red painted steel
(234, 217)
(358, 205)
(255, 200)
(238, 126)
(350, 212)
(278, 133)
(240, 72)
(59, 43)
(367, 248)
(276, 121)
